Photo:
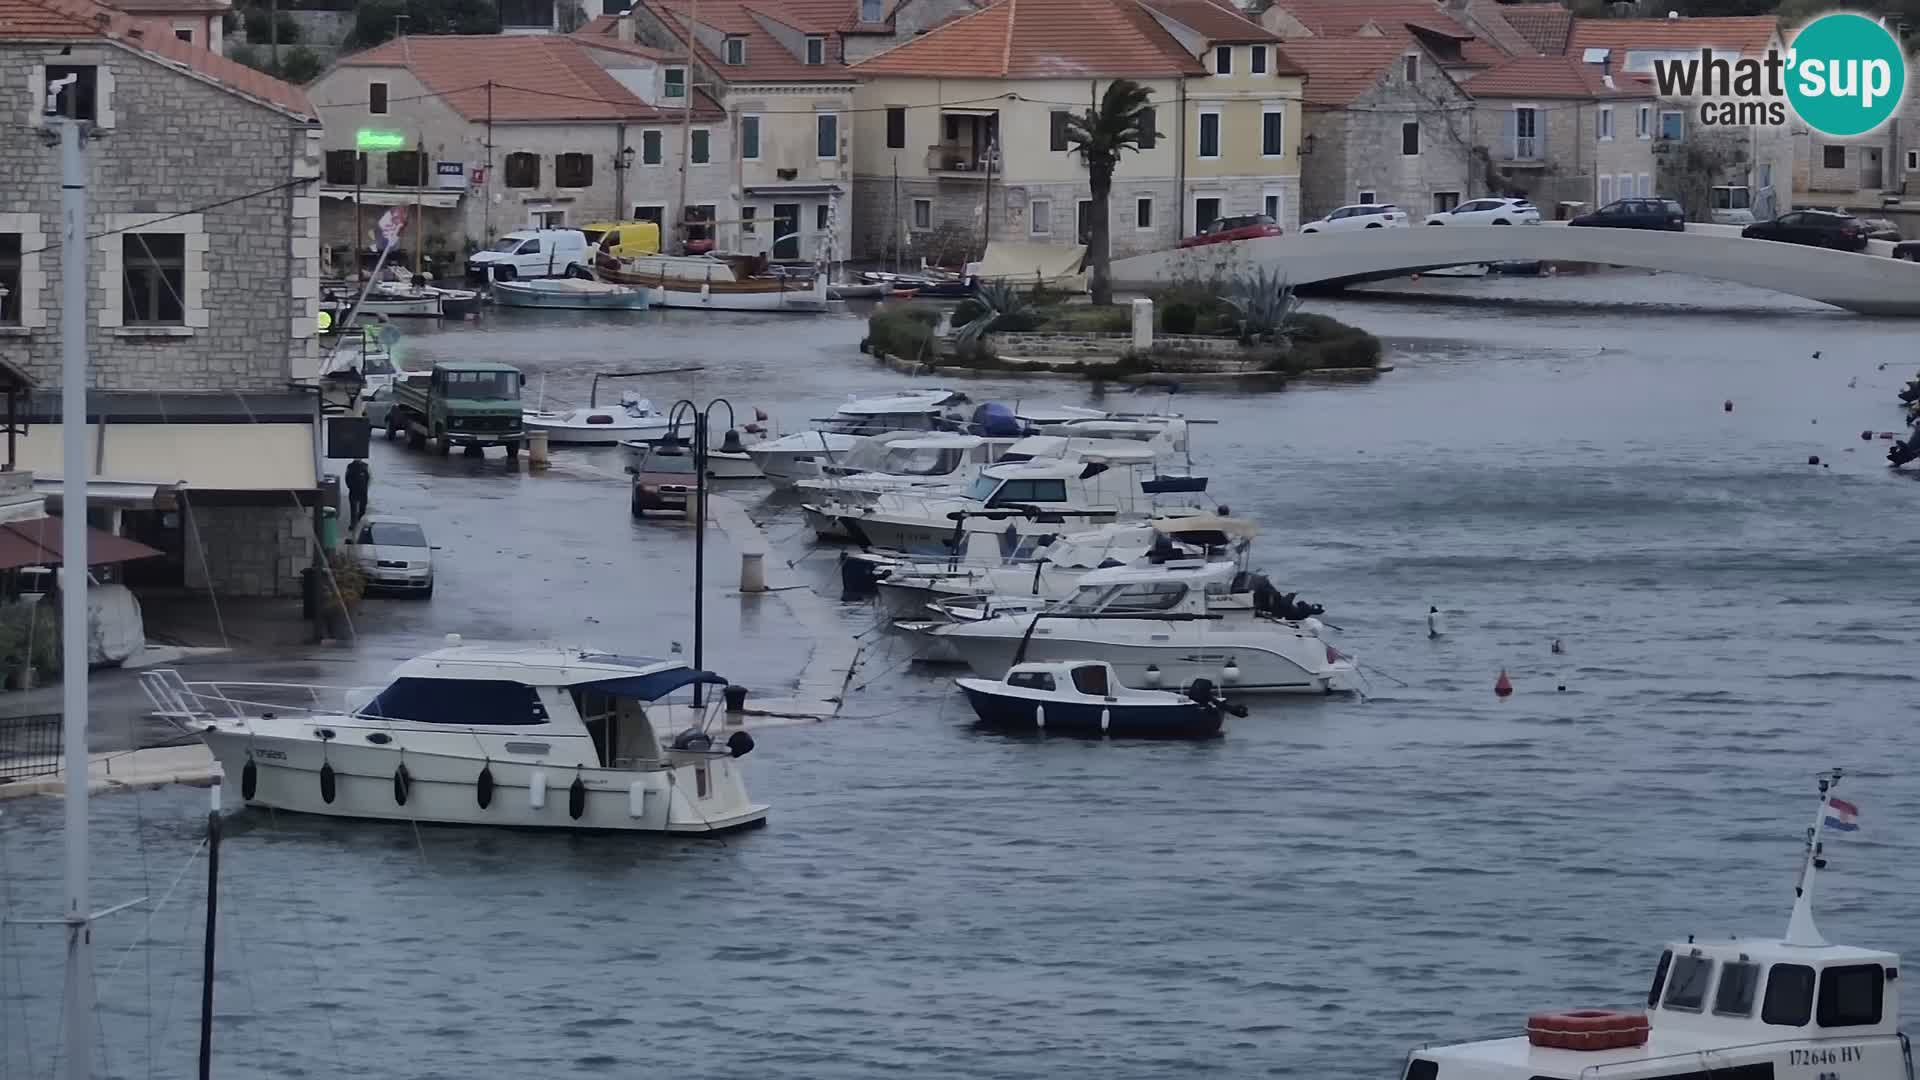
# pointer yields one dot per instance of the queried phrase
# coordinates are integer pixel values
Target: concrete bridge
(1870, 282)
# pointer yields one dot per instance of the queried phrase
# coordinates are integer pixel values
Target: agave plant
(1265, 303)
(998, 300)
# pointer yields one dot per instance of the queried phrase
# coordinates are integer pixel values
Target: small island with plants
(1211, 318)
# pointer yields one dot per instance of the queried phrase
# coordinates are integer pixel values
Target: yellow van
(623, 237)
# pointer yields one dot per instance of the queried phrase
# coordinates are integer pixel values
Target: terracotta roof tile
(1041, 39)
(1396, 19)
(1213, 21)
(173, 7)
(1547, 27)
(534, 77)
(1749, 34)
(1552, 77)
(1339, 70)
(74, 19)
(768, 60)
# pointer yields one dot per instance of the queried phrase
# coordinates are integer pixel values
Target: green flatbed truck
(470, 404)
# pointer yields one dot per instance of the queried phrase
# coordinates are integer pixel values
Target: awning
(949, 111)
(36, 542)
(654, 685)
(122, 493)
(439, 200)
(193, 457)
(793, 189)
(1056, 266)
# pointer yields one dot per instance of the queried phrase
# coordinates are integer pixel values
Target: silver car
(394, 554)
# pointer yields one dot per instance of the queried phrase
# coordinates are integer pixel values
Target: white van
(532, 253)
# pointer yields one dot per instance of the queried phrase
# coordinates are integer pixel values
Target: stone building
(1563, 133)
(202, 283)
(494, 133)
(1873, 175)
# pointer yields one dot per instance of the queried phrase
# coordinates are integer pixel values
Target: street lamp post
(697, 416)
(621, 163)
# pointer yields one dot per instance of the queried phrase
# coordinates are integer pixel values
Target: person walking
(358, 477)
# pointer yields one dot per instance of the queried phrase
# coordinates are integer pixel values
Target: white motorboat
(1741, 1008)
(479, 735)
(1157, 626)
(728, 461)
(923, 631)
(803, 455)
(600, 425)
(903, 461)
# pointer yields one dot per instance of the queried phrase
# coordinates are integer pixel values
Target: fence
(29, 746)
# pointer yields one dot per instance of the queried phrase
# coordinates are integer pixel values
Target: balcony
(1520, 150)
(952, 162)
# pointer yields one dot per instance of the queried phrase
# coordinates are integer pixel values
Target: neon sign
(368, 139)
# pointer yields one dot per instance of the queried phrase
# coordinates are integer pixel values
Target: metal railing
(29, 746)
(186, 704)
(1524, 147)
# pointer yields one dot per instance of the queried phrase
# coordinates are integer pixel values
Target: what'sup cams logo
(1845, 75)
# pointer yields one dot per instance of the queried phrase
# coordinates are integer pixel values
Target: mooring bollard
(1143, 324)
(753, 572)
(693, 506)
(537, 449)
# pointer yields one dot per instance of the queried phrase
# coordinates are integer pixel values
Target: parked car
(1814, 228)
(532, 253)
(1488, 212)
(1243, 227)
(394, 554)
(1658, 214)
(1359, 216)
(663, 479)
(1909, 251)
(1879, 228)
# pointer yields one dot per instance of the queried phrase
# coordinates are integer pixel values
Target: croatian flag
(1842, 816)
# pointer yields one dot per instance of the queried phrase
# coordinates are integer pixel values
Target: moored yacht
(803, 455)
(480, 735)
(1741, 1009)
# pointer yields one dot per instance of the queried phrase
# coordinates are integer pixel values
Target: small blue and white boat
(571, 293)
(1084, 697)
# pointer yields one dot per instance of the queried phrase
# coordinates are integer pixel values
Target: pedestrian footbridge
(1869, 282)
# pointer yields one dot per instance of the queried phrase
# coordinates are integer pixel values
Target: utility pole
(686, 123)
(486, 197)
(273, 34)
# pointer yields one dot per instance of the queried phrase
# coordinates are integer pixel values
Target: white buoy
(1040, 717)
(1436, 623)
(1231, 673)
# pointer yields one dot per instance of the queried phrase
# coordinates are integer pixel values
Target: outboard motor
(1266, 598)
(995, 419)
(1164, 550)
(1902, 452)
(1911, 393)
(1202, 693)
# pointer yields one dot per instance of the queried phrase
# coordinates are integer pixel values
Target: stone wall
(1369, 154)
(959, 211)
(170, 143)
(1101, 344)
(248, 550)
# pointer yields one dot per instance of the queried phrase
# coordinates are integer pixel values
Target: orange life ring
(1588, 1029)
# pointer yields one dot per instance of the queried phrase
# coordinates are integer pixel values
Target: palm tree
(1122, 120)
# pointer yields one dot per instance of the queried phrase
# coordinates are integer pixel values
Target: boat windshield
(875, 423)
(483, 385)
(1132, 596)
(922, 460)
(983, 487)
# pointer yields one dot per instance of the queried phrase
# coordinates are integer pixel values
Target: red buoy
(1502, 686)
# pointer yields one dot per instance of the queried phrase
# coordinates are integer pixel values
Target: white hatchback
(1488, 212)
(394, 554)
(1359, 216)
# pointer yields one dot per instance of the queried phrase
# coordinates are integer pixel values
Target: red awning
(36, 541)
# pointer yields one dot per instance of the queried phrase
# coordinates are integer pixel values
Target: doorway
(786, 230)
(1205, 213)
(1871, 177)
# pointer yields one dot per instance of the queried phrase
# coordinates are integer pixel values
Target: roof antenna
(1800, 928)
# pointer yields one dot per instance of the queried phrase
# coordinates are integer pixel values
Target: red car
(1244, 227)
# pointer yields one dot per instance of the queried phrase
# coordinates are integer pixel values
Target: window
(1056, 129)
(1444, 201)
(1643, 122)
(816, 51)
(923, 213)
(1223, 59)
(1149, 128)
(649, 148)
(1913, 161)
(347, 168)
(1209, 134)
(869, 11)
(1646, 185)
(9, 279)
(826, 136)
(1422, 1069)
(1273, 134)
(183, 35)
(653, 212)
(482, 385)
(676, 82)
(79, 99)
(1833, 157)
(747, 215)
(1789, 1000)
(735, 49)
(1659, 978)
(1410, 67)
(1673, 124)
(392, 534)
(821, 216)
(154, 278)
(1143, 213)
(573, 170)
(750, 138)
(1026, 491)
(1040, 217)
(1091, 679)
(458, 701)
(1083, 221)
(699, 220)
(377, 98)
(896, 127)
(1605, 193)
(1410, 139)
(1739, 979)
(1687, 989)
(1270, 205)
(1205, 212)
(406, 168)
(702, 146)
(1850, 996)
(1605, 123)
(1257, 59)
(1031, 680)
(1366, 198)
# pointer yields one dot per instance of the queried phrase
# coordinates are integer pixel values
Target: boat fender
(401, 782)
(637, 799)
(1106, 720)
(577, 798)
(1231, 673)
(537, 789)
(483, 787)
(1040, 717)
(693, 739)
(740, 744)
(249, 779)
(1153, 674)
(326, 782)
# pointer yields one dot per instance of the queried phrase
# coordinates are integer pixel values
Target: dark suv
(1660, 214)
(1814, 228)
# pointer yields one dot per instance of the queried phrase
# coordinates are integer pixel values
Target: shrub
(1179, 317)
(1265, 305)
(968, 310)
(300, 65)
(261, 23)
(902, 330)
(30, 634)
(344, 582)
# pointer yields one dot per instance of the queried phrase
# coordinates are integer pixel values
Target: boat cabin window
(1659, 977)
(1850, 996)
(1789, 1000)
(922, 460)
(1687, 989)
(466, 702)
(1016, 492)
(482, 385)
(1135, 596)
(1091, 679)
(1031, 680)
(1422, 1069)
(1739, 981)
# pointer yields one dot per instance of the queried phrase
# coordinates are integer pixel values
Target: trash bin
(329, 527)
